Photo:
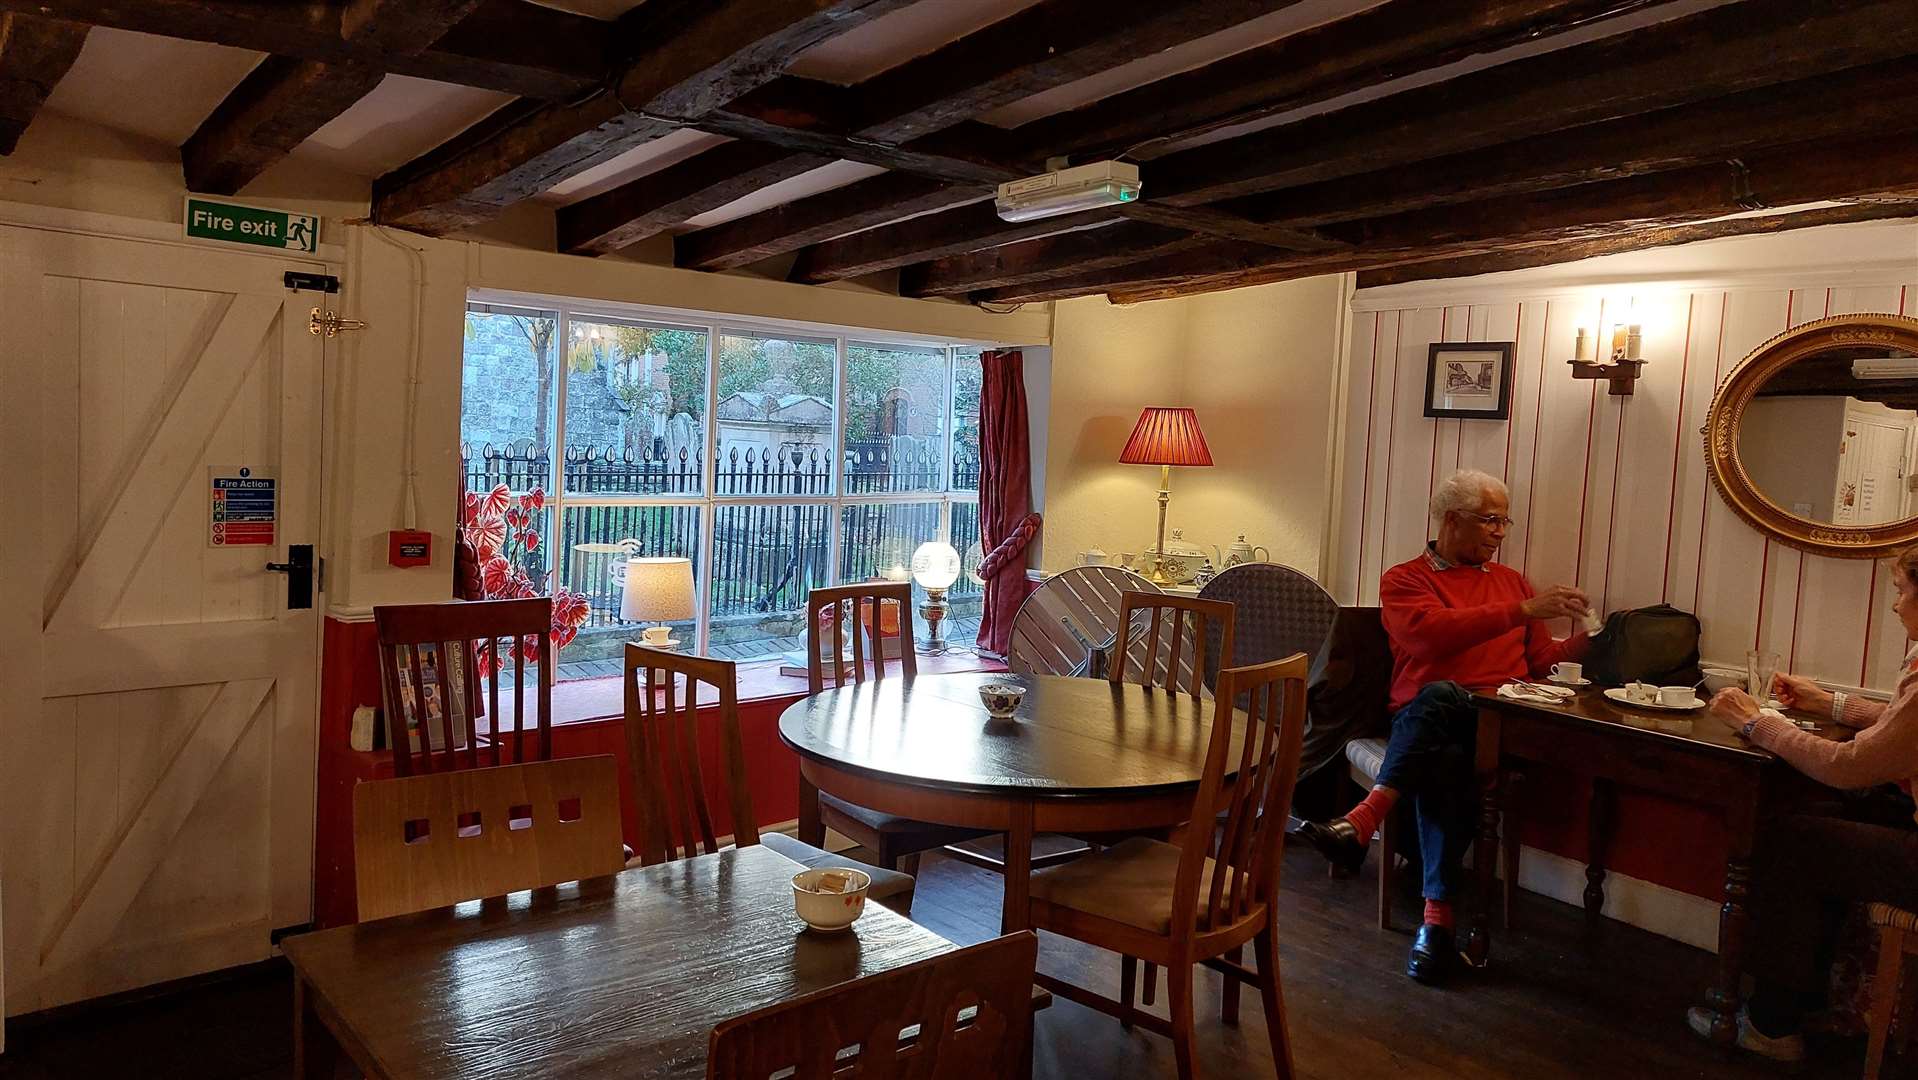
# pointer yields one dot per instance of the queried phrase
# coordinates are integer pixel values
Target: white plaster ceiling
(401, 119)
(157, 87)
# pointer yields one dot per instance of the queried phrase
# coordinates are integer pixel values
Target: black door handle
(299, 575)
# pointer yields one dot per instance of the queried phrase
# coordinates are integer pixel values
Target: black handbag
(1657, 644)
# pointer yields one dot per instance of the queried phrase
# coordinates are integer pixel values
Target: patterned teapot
(1240, 553)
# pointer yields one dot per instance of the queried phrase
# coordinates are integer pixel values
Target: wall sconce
(1623, 357)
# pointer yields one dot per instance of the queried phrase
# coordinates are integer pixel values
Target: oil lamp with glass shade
(935, 566)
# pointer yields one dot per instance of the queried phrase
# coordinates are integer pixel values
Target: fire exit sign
(256, 226)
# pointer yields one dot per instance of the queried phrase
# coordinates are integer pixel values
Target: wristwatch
(1746, 731)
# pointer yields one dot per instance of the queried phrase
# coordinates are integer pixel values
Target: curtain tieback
(1012, 547)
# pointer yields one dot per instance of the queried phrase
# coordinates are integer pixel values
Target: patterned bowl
(1001, 699)
(830, 898)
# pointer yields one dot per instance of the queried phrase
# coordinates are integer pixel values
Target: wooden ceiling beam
(687, 57)
(510, 46)
(1049, 44)
(1866, 170)
(1046, 45)
(282, 102)
(1872, 99)
(932, 236)
(1720, 51)
(651, 204)
(1113, 246)
(1390, 41)
(775, 231)
(34, 54)
(1638, 240)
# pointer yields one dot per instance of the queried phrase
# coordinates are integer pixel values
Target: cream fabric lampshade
(657, 591)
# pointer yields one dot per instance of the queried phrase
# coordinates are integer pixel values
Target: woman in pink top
(1812, 866)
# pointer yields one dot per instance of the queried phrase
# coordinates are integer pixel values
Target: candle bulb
(1618, 341)
(1582, 347)
(1635, 342)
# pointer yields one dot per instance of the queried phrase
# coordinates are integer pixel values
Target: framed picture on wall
(1470, 380)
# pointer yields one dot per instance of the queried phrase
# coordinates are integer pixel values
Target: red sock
(1368, 815)
(1438, 913)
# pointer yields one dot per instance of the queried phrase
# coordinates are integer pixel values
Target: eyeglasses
(1496, 521)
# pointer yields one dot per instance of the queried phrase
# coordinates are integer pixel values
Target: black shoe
(1433, 956)
(1338, 841)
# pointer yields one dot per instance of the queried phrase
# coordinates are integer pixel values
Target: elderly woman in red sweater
(1812, 865)
(1458, 622)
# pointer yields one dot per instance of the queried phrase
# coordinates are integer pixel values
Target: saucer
(1568, 682)
(1617, 694)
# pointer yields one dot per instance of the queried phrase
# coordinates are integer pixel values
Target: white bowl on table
(829, 898)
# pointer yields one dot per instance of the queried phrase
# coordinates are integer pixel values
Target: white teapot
(1240, 553)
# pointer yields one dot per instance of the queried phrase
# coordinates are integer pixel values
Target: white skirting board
(1648, 906)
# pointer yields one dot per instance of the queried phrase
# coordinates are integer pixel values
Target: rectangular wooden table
(1707, 763)
(616, 976)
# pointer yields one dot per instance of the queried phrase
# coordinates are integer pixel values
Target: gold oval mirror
(1812, 437)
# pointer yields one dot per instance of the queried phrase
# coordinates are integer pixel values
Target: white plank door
(159, 791)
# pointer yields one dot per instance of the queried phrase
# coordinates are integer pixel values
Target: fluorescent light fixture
(1885, 367)
(1066, 191)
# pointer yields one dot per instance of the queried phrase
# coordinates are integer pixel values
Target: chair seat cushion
(915, 835)
(885, 883)
(1366, 755)
(1130, 883)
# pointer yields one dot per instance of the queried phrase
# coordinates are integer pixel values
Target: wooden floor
(1557, 1003)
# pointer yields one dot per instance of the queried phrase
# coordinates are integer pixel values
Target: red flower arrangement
(500, 527)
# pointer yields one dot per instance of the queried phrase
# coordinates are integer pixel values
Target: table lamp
(1165, 437)
(658, 591)
(935, 566)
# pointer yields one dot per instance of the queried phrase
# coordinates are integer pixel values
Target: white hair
(1467, 490)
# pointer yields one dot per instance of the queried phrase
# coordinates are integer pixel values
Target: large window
(776, 460)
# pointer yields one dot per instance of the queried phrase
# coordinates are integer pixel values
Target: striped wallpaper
(1611, 494)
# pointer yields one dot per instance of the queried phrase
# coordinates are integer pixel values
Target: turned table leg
(1478, 940)
(1734, 919)
(1601, 824)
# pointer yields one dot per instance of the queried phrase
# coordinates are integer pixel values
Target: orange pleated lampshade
(1166, 436)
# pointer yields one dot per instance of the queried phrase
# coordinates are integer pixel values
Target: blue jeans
(1429, 760)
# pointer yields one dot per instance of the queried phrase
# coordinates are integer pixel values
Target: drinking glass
(1760, 666)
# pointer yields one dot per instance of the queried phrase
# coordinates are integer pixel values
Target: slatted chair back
(440, 838)
(1245, 876)
(456, 638)
(1186, 623)
(865, 607)
(662, 749)
(1068, 624)
(966, 1013)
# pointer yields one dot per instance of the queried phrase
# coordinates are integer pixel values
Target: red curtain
(1006, 521)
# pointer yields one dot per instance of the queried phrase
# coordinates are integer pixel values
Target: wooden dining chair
(1178, 905)
(1186, 623)
(663, 736)
(895, 841)
(966, 1013)
(1890, 995)
(431, 654)
(439, 838)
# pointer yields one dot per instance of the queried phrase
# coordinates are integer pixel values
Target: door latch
(298, 569)
(329, 323)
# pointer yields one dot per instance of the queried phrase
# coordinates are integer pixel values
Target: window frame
(708, 500)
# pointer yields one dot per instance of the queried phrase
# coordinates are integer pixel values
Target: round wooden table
(1082, 756)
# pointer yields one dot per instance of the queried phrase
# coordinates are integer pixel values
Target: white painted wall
(1259, 366)
(1611, 493)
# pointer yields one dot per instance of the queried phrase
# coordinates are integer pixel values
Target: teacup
(830, 898)
(657, 635)
(1568, 672)
(1641, 693)
(1001, 699)
(1676, 696)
